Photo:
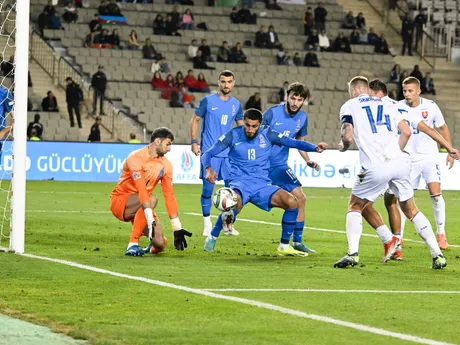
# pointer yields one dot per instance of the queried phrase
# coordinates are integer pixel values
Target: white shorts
(373, 182)
(427, 168)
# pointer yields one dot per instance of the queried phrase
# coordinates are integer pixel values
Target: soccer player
(218, 111)
(373, 125)
(392, 249)
(289, 119)
(133, 201)
(249, 151)
(424, 152)
(6, 106)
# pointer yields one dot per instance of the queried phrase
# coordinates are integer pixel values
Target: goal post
(18, 197)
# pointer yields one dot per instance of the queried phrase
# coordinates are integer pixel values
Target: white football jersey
(421, 145)
(375, 129)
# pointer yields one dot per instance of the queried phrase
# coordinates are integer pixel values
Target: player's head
(377, 88)
(295, 96)
(357, 86)
(411, 89)
(226, 82)
(37, 117)
(252, 120)
(161, 140)
(132, 136)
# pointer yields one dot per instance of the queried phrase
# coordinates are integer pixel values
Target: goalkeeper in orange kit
(132, 199)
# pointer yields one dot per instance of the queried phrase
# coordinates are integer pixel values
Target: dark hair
(37, 117)
(226, 73)
(48, 93)
(253, 114)
(298, 89)
(378, 85)
(132, 136)
(162, 133)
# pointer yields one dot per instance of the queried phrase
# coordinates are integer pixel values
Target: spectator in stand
(428, 84)
(99, 84)
(297, 60)
(169, 87)
(254, 102)
(132, 139)
(70, 13)
(33, 135)
(273, 40)
(261, 38)
(175, 17)
(234, 16)
(56, 22)
(133, 44)
(37, 126)
(102, 37)
(94, 25)
(288, 61)
(149, 52)
(201, 84)
(245, 16)
(417, 74)
(341, 44)
(171, 27)
(160, 66)
(157, 82)
(320, 17)
(313, 41)
(311, 60)
(394, 95)
(323, 41)
(382, 45)
(49, 103)
(186, 98)
(95, 134)
(114, 39)
(205, 51)
(188, 21)
(354, 37)
(179, 80)
(7, 67)
(175, 99)
(404, 75)
(280, 56)
(102, 9)
(363, 37)
(199, 62)
(224, 54)
(403, 8)
(372, 37)
(282, 92)
(192, 49)
(360, 21)
(158, 25)
(272, 5)
(49, 9)
(349, 22)
(407, 31)
(190, 81)
(308, 21)
(420, 20)
(113, 9)
(395, 75)
(74, 96)
(238, 55)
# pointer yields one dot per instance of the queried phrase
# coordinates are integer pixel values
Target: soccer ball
(225, 199)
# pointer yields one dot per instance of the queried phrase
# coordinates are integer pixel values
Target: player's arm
(5, 131)
(301, 136)
(267, 118)
(277, 138)
(239, 116)
(405, 133)
(224, 142)
(346, 131)
(444, 131)
(200, 111)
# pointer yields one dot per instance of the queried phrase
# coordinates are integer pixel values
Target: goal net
(14, 19)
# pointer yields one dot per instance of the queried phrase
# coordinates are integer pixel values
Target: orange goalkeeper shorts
(118, 205)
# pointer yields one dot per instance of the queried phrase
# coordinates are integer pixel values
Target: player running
(289, 119)
(132, 199)
(218, 111)
(249, 150)
(373, 125)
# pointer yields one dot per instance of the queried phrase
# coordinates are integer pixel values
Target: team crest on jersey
(262, 142)
(136, 175)
(162, 172)
(233, 110)
(298, 125)
(424, 114)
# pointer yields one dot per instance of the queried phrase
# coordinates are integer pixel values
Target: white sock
(211, 237)
(424, 229)
(130, 244)
(283, 246)
(403, 220)
(207, 221)
(439, 209)
(384, 233)
(354, 230)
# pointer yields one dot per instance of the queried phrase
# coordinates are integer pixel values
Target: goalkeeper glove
(179, 239)
(150, 223)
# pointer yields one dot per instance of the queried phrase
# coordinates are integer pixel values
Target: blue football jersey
(291, 126)
(218, 117)
(6, 105)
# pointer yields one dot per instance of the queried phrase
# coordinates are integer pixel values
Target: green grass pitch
(72, 221)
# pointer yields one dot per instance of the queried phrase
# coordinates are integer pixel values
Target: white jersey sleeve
(345, 112)
(438, 118)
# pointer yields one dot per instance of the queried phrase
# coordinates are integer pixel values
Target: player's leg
(227, 217)
(206, 198)
(395, 219)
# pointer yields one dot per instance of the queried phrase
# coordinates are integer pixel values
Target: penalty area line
(434, 292)
(262, 305)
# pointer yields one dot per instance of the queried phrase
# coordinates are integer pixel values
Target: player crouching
(132, 199)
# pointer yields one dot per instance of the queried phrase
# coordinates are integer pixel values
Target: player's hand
(211, 175)
(151, 228)
(321, 147)
(340, 146)
(179, 239)
(196, 149)
(313, 165)
(451, 157)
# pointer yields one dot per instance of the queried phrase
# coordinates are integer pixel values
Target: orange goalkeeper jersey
(141, 173)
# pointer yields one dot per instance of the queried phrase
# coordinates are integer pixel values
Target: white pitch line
(268, 306)
(428, 292)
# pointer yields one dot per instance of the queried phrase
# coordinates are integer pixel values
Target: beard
(290, 111)
(225, 92)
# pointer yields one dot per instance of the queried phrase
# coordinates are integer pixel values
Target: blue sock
(206, 198)
(217, 227)
(298, 232)
(288, 224)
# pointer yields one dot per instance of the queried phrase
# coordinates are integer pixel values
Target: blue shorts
(284, 177)
(257, 193)
(220, 165)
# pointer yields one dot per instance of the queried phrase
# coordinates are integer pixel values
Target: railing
(117, 122)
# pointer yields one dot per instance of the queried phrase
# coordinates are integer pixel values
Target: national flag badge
(136, 175)
(424, 114)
